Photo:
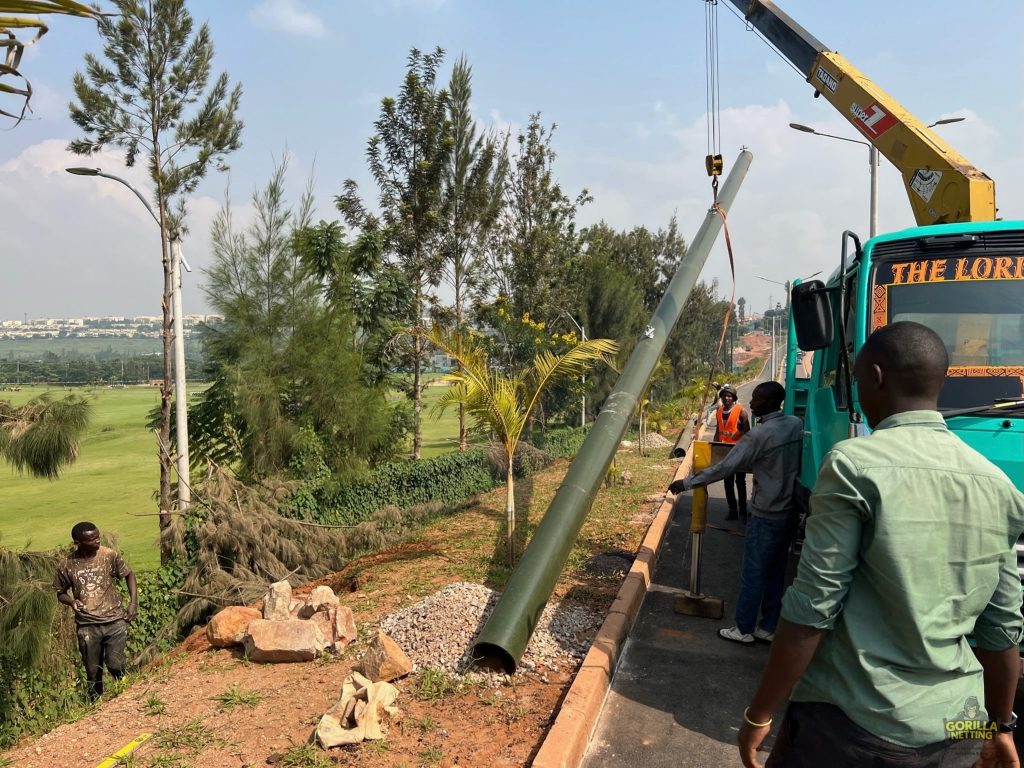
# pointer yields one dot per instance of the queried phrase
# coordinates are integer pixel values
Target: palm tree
(42, 436)
(503, 403)
(11, 18)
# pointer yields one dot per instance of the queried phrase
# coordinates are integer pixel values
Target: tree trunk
(510, 514)
(417, 376)
(164, 444)
(463, 443)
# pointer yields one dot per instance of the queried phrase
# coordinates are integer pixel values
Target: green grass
(116, 474)
(237, 697)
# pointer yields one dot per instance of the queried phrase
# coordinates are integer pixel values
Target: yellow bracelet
(751, 723)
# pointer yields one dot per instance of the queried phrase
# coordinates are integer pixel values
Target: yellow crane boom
(942, 185)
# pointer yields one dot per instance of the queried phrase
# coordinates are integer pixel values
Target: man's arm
(738, 458)
(998, 632)
(62, 586)
(815, 600)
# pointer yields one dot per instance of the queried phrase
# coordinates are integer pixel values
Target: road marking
(127, 749)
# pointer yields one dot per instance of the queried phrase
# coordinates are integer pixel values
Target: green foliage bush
(448, 479)
(562, 443)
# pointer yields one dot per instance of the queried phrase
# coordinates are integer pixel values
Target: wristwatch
(1011, 726)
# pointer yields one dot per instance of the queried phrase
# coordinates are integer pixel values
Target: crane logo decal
(872, 121)
(825, 78)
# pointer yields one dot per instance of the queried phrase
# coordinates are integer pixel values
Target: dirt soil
(267, 713)
(760, 346)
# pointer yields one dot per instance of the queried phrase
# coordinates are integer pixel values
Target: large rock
(385, 660)
(359, 713)
(337, 624)
(277, 601)
(228, 627)
(319, 598)
(283, 641)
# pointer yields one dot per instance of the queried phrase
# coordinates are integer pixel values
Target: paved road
(679, 691)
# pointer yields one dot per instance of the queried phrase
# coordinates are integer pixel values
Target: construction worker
(732, 423)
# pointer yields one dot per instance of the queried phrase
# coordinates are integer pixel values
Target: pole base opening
(494, 658)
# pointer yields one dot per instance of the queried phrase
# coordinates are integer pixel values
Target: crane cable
(713, 163)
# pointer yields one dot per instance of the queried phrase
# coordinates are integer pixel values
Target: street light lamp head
(947, 121)
(84, 171)
(804, 128)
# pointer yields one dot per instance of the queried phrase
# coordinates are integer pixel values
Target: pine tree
(153, 98)
(408, 156)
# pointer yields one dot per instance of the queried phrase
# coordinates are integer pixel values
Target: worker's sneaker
(763, 635)
(734, 634)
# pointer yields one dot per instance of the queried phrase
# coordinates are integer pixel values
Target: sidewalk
(678, 695)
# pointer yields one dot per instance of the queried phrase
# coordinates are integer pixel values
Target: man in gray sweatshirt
(771, 451)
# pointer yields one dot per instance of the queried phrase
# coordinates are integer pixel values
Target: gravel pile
(438, 631)
(654, 440)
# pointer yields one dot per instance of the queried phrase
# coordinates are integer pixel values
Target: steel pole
(873, 160)
(583, 379)
(180, 393)
(504, 637)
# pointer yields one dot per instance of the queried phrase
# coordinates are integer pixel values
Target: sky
(623, 81)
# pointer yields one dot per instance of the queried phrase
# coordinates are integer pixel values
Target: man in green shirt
(909, 549)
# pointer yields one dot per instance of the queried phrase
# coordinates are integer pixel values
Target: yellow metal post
(693, 602)
(699, 505)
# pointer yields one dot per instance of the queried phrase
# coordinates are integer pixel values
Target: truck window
(976, 304)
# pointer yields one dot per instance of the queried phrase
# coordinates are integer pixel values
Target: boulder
(626, 478)
(228, 627)
(320, 597)
(337, 624)
(385, 660)
(283, 641)
(277, 601)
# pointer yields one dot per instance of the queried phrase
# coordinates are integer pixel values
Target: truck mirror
(812, 315)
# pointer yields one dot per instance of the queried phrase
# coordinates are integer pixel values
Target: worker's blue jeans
(763, 574)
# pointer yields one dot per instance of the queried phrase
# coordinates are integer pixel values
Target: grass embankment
(117, 475)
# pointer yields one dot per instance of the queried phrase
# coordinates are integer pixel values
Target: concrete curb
(569, 736)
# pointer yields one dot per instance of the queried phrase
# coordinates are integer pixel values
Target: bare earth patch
(211, 708)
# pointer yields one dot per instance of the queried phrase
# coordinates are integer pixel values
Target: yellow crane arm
(942, 185)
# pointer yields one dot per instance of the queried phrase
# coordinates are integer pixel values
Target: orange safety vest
(729, 427)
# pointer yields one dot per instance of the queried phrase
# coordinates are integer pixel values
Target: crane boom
(943, 186)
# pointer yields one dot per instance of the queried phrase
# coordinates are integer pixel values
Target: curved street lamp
(180, 394)
(872, 160)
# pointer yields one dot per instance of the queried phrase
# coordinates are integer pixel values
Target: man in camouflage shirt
(86, 582)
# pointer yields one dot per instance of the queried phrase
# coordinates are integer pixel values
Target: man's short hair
(772, 391)
(80, 529)
(911, 353)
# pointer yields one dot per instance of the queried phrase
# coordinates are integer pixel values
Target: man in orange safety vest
(732, 423)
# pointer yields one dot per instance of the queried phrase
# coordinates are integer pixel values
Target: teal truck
(960, 272)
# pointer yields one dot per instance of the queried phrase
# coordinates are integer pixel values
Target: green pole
(505, 635)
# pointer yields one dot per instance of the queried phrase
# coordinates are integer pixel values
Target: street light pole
(178, 330)
(583, 377)
(873, 161)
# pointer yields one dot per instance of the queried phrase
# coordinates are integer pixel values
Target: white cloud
(76, 245)
(288, 16)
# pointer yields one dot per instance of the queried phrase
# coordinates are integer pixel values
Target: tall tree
(291, 354)
(408, 158)
(474, 182)
(539, 246)
(741, 308)
(152, 97)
